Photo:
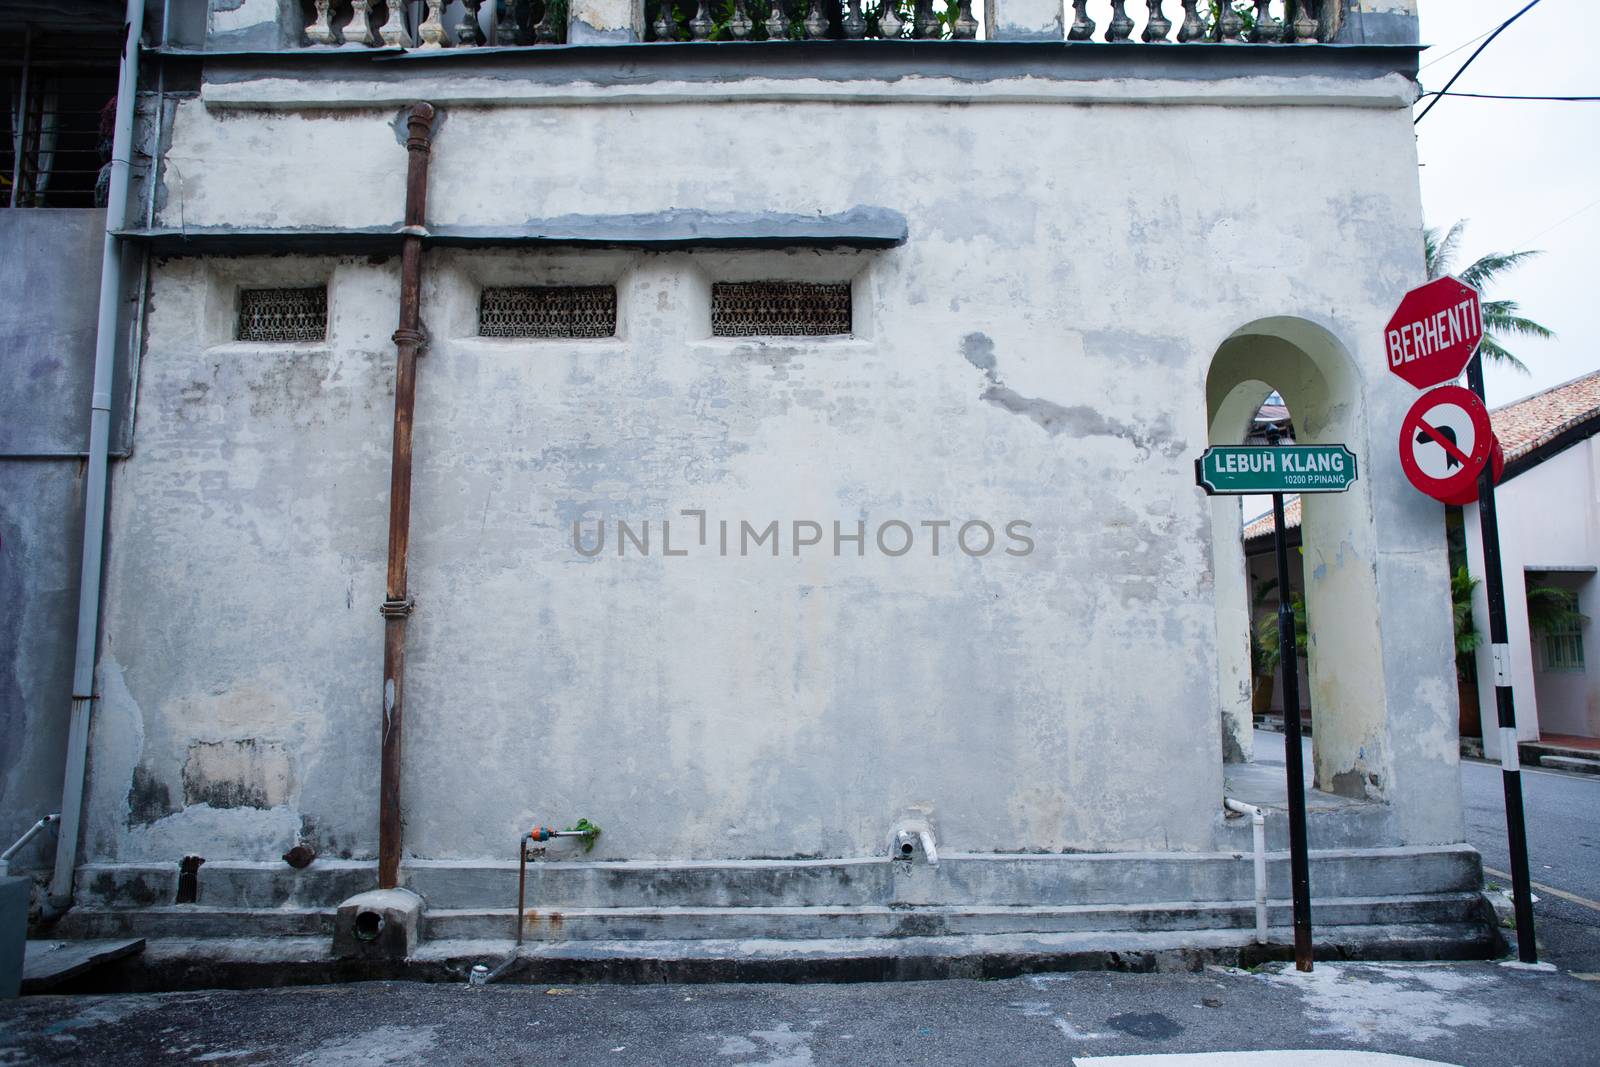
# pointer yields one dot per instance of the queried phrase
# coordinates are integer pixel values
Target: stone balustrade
(474, 23)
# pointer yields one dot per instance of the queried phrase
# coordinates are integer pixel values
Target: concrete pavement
(1467, 1014)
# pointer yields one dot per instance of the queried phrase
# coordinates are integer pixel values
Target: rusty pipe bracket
(419, 127)
(397, 609)
(417, 339)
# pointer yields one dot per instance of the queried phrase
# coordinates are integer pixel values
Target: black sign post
(1500, 648)
(1238, 471)
(1289, 663)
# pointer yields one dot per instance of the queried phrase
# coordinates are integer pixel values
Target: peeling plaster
(1078, 420)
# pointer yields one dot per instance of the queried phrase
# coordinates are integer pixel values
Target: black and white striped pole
(1499, 645)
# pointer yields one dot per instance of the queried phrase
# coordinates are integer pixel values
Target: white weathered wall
(1549, 517)
(1037, 350)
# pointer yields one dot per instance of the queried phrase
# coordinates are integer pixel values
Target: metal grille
(779, 309)
(549, 311)
(1563, 648)
(283, 314)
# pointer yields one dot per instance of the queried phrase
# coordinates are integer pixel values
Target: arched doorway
(1312, 372)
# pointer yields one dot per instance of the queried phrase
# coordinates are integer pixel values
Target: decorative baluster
(359, 30)
(965, 27)
(321, 29)
(1121, 26)
(778, 22)
(1194, 27)
(393, 31)
(889, 20)
(701, 25)
(1082, 24)
(469, 34)
(1305, 22)
(545, 31)
(666, 25)
(1157, 25)
(505, 26)
(854, 26)
(816, 22)
(740, 25)
(432, 29)
(927, 25)
(1267, 29)
(1229, 26)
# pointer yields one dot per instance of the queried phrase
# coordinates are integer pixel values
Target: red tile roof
(1540, 418)
(1522, 427)
(1262, 527)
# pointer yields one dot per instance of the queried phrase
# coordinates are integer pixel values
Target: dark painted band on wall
(830, 61)
(859, 227)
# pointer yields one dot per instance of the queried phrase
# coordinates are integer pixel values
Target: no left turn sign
(1445, 440)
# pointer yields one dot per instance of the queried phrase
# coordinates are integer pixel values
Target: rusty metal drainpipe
(397, 603)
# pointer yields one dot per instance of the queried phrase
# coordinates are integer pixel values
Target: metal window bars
(780, 309)
(552, 311)
(283, 315)
(57, 141)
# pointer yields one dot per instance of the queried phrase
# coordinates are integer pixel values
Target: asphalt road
(1563, 819)
(1467, 1014)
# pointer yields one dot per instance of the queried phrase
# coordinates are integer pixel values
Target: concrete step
(172, 964)
(960, 879)
(1535, 752)
(869, 921)
(645, 924)
(193, 920)
(50, 964)
(1571, 763)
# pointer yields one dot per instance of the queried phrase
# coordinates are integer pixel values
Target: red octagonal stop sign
(1434, 333)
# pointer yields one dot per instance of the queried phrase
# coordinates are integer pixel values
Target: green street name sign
(1237, 470)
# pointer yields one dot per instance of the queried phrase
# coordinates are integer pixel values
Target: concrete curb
(173, 965)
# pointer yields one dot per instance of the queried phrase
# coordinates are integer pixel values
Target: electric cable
(1558, 223)
(1476, 53)
(1513, 96)
(1457, 48)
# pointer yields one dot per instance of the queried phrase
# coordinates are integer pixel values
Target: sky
(1524, 174)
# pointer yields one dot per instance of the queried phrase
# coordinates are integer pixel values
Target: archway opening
(1294, 376)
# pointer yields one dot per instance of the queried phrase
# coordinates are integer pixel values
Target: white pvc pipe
(28, 835)
(1258, 828)
(94, 497)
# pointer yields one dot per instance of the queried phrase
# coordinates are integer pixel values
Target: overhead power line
(1476, 53)
(1518, 96)
(1457, 48)
(1554, 225)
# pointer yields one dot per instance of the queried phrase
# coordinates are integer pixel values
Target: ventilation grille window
(549, 311)
(779, 309)
(283, 314)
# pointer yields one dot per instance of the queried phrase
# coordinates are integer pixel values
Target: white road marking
(1073, 1033)
(1583, 902)
(1295, 1058)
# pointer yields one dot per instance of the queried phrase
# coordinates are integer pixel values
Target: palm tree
(1500, 317)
